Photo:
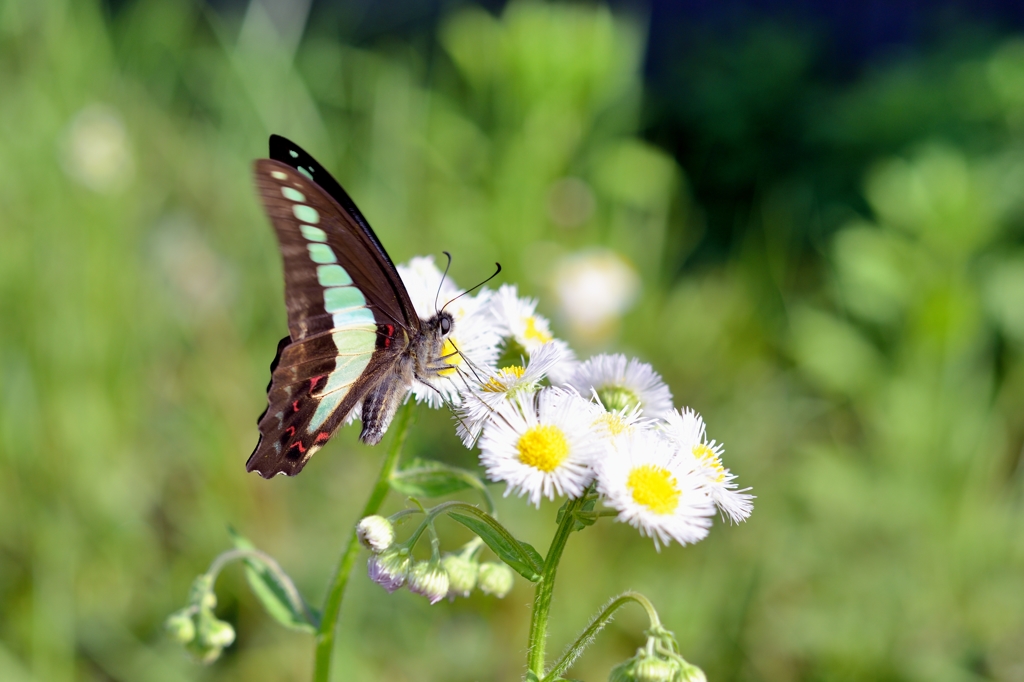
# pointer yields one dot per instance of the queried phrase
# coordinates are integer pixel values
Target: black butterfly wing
(348, 316)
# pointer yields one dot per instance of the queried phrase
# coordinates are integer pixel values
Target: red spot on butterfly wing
(295, 406)
(322, 436)
(390, 335)
(313, 381)
(290, 431)
(297, 445)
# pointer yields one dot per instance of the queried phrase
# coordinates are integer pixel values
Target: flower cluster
(455, 574)
(548, 425)
(195, 626)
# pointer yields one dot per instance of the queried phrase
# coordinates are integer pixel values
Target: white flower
(686, 429)
(96, 150)
(613, 424)
(594, 288)
(656, 489)
(622, 383)
(541, 444)
(471, 347)
(480, 400)
(516, 318)
(567, 363)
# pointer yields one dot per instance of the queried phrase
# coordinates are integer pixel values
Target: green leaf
(520, 556)
(274, 594)
(427, 478)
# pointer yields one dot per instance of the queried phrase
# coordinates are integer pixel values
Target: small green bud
(462, 574)
(375, 533)
(429, 579)
(220, 634)
(212, 635)
(496, 579)
(691, 673)
(180, 626)
(201, 593)
(204, 654)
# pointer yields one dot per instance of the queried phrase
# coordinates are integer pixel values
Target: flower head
(517, 319)
(541, 444)
(481, 400)
(428, 578)
(375, 533)
(390, 568)
(656, 489)
(462, 570)
(623, 383)
(496, 579)
(474, 337)
(594, 288)
(686, 428)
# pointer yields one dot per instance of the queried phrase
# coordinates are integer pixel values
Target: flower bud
(203, 653)
(375, 533)
(180, 626)
(390, 568)
(691, 673)
(655, 669)
(219, 633)
(213, 632)
(462, 574)
(429, 579)
(495, 579)
(201, 593)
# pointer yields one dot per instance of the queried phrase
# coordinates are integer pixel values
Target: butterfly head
(441, 324)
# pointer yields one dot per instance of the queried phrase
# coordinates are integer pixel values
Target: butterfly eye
(446, 325)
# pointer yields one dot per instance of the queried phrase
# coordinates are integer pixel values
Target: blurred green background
(829, 265)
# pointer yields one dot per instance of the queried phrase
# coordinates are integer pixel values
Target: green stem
(332, 606)
(546, 588)
(596, 625)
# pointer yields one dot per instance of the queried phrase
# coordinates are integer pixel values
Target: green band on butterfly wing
(355, 347)
(306, 214)
(313, 234)
(332, 276)
(321, 253)
(337, 299)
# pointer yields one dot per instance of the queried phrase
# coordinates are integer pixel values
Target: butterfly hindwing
(349, 318)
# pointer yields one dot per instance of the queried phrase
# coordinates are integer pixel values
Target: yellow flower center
(504, 379)
(543, 447)
(534, 334)
(451, 357)
(612, 422)
(711, 460)
(654, 488)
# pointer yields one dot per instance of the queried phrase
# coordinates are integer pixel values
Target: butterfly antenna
(441, 283)
(497, 265)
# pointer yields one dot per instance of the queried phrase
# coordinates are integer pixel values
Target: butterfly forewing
(348, 318)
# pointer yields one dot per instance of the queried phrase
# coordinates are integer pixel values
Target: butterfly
(354, 336)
